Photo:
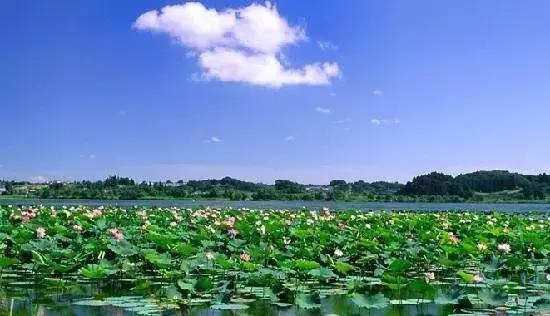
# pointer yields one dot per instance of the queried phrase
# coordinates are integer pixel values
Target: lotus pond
(82, 260)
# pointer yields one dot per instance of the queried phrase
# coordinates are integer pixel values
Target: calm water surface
(335, 205)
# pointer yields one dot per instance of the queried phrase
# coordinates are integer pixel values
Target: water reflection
(334, 305)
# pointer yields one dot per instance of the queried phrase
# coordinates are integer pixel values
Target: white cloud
(322, 110)
(326, 45)
(342, 121)
(213, 139)
(91, 156)
(377, 92)
(227, 64)
(290, 138)
(239, 45)
(379, 122)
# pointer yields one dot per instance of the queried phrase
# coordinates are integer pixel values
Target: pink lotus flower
(26, 216)
(77, 227)
(429, 276)
(245, 257)
(116, 233)
(233, 233)
(230, 221)
(341, 225)
(40, 232)
(454, 239)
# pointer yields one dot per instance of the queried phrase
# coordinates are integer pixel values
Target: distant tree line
(480, 184)
(496, 185)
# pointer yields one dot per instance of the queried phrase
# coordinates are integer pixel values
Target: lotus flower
(338, 252)
(429, 276)
(209, 255)
(40, 232)
(454, 239)
(233, 232)
(245, 257)
(481, 246)
(230, 221)
(478, 278)
(116, 233)
(506, 248)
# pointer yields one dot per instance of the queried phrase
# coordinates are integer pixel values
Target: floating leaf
(229, 306)
(376, 301)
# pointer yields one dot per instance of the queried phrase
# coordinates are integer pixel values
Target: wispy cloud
(238, 44)
(290, 138)
(342, 121)
(213, 139)
(377, 92)
(326, 45)
(379, 122)
(322, 110)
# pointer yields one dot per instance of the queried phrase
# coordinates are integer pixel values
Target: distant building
(3, 189)
(316, 188)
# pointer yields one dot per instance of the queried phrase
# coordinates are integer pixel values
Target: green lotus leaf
(493, 298)
(229, 306)
(376, 301)
(307, 301)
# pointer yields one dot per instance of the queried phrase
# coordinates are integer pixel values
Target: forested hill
(496, 185)
(467, 186)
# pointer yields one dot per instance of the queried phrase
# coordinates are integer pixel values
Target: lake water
(334, 205)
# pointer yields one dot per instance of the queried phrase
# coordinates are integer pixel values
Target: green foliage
(97, 271)
(188, 256)
(376, 301)
(308, 301)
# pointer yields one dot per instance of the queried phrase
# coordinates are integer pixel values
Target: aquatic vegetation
(173, 258)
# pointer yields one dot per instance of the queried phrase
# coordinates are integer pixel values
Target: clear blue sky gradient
(466, 86)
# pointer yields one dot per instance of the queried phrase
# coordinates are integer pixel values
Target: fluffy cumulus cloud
(240, 45)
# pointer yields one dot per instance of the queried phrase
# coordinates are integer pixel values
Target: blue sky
(409, 87)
